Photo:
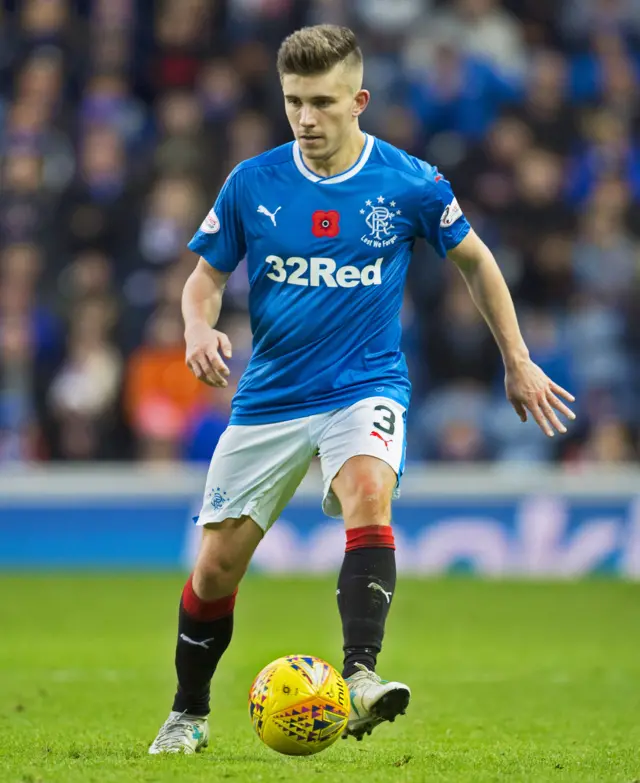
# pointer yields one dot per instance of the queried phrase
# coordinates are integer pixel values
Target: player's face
(322, 110)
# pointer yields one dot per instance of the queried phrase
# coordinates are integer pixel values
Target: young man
(327, 224)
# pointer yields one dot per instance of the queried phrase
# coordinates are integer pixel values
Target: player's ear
(360, 102)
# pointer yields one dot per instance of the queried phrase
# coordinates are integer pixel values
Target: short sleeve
(441, 221)
(220, 239)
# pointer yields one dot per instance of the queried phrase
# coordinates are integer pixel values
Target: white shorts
(256, 469)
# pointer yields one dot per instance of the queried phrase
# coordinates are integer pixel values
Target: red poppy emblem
(325, 224)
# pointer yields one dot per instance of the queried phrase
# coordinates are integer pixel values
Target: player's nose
(307, 118)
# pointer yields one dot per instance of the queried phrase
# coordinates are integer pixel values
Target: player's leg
(362, 453)
(367, 579)
(205, 620)
(205, 626)
(252, 476)
(364, 486)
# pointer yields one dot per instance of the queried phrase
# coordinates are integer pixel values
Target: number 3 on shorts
(386, 420)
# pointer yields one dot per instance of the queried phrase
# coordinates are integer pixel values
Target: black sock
(363, 606)
(204, 633)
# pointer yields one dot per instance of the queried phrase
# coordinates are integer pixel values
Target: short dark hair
(313, 50)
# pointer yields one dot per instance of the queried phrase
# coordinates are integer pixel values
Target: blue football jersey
(327, 260)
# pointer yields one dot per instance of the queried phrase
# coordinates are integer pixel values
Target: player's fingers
(195, 368)
(537, 414)
(206, 373)
(519, 409)
(551, 416)
(562, 392)
(200, 367)
(560, 406)
(225, 345)
(215, 362)
(213, 366)
(198, 371)
(209, 361)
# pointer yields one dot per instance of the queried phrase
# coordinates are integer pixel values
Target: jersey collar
(351, 172)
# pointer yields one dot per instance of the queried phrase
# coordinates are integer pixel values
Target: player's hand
(203, 357)
(529, 389)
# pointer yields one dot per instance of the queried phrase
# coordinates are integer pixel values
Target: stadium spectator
(83, 393)
(480, 28)
(160, 392)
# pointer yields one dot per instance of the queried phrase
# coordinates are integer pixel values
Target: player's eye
(322, 103)
(293, 101)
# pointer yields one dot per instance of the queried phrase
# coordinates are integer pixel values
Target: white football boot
(373, 701)
(181, 733)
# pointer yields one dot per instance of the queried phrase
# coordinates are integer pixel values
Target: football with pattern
(299, 705)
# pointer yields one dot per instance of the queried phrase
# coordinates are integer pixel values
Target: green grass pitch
(511, 681)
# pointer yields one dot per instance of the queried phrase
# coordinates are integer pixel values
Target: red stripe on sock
(372, 535)
(206, 610)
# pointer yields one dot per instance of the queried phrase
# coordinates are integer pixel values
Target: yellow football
(299, 705)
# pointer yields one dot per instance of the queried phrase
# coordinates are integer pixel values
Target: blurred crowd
(120, 119)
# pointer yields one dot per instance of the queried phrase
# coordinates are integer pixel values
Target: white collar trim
(345, 175)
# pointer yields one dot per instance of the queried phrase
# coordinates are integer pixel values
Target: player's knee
(368, 501)
(225, 553)
(217, 575)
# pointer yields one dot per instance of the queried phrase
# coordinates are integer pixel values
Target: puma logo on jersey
(380, 589)
(264, 211)
(386, 442)
(322, 272)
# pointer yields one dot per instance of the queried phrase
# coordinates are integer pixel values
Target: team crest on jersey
(379, 216)
(211, 224)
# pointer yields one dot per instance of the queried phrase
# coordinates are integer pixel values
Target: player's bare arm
(527, 386)
(201, 303)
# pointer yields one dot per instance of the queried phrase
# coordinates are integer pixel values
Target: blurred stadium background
(119, 120)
